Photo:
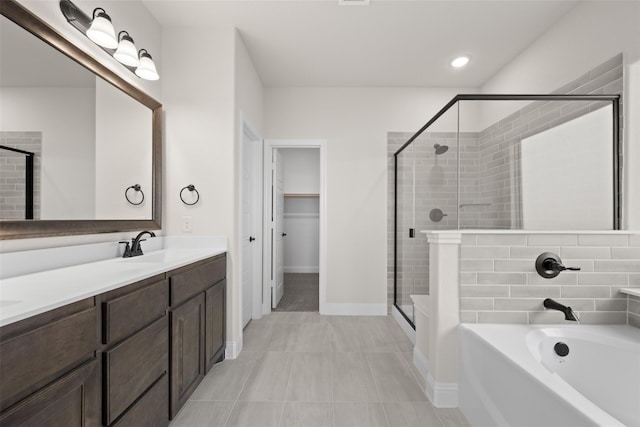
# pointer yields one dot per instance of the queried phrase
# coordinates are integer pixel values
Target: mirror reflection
(90, 141)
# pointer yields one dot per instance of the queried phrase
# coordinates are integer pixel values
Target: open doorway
(301, 226)
(294, 225)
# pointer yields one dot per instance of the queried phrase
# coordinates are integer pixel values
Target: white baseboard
(441, 395)
(233, 348)
(303, 269)
(354, 309)
(422, 365)
(404, 325)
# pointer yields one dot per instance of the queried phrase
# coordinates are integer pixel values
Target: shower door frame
(615, 103)
(28, 179)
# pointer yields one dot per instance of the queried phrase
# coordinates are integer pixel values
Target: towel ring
(190, 187)
(135, 187)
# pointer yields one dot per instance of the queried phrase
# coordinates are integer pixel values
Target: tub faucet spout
(569, 314)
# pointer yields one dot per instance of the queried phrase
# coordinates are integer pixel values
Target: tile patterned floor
(300, 369)
(300, 292)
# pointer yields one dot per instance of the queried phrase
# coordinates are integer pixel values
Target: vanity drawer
(132, 366)
(152, 410)
(70, 401)
(34, 358)
(187, 283)
(126, 314)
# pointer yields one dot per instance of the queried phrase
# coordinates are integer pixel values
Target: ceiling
(389, 43)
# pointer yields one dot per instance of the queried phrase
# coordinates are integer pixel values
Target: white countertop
(31, 294)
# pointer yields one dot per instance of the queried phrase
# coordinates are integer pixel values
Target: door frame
(269, 146)
(247, 129)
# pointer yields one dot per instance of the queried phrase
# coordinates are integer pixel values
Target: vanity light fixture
(101, 32)
(460, 62)
(147, 69)
(126, 52)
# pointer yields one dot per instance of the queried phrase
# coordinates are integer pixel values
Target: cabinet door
(187, 350)
(151, 409)
(216, 323)
(71, 401)
(133, 366)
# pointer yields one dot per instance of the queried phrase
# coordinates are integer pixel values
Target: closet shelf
(301, 195)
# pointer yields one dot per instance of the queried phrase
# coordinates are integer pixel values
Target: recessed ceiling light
(460, 62)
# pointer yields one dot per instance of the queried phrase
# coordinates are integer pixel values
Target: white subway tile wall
(507, 288)
(12, 173)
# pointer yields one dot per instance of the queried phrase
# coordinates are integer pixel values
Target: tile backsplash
(499, 283)
(13, 173)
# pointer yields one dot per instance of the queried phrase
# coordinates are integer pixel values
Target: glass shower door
(405, 232)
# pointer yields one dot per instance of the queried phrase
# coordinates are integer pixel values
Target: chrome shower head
(440, 149)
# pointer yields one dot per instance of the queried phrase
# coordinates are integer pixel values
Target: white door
(277, 232)
(249, 232)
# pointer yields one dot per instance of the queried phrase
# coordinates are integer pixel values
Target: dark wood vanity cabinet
(135, 358)
(216, 321)
(187, 350)
(128, 357)
(197, 316)
(48, 368)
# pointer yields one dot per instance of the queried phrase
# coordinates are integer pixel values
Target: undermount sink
(8, 302)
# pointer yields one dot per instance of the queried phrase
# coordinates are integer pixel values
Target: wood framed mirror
(111, 214)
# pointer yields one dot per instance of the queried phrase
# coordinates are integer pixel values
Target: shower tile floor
(302, 369)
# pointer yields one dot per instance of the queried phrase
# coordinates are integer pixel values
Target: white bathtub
(510, 375)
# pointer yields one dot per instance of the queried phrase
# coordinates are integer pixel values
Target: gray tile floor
(300, 369)
(300, 292)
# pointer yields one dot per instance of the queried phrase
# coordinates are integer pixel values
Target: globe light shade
(147, 69)
(127, 53)
(101, 31)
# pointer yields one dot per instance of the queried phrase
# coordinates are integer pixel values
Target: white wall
(574, 184)
(590, 34)
(198, 90)
(208, 81)
(120, 160)
(301, 173)
(355, 122)
(68, 152)
(248, 89)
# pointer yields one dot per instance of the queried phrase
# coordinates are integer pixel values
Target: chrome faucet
(135, 249)
(569, 314)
